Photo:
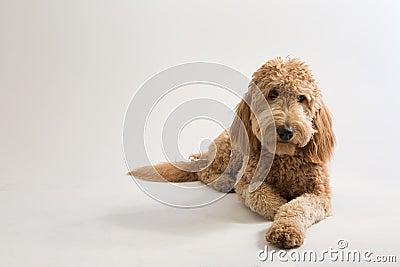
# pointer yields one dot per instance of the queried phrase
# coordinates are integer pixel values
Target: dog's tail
(175, 172)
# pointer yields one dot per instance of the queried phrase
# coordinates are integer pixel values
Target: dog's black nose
(285, 133)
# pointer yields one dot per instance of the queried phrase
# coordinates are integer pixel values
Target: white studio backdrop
(68, 70)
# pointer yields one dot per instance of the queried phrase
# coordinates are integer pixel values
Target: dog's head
(302, 121)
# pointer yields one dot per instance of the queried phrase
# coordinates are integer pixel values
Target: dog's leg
(265, 200)
(293, 218)
(223, 178)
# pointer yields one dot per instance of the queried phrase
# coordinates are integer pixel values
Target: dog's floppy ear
(320, 147)
(241, 133)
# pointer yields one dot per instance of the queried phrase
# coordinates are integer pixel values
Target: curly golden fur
(295, 192)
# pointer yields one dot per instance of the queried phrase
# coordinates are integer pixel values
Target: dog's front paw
(285, 235)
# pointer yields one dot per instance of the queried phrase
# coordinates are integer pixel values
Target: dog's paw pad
(194, 157)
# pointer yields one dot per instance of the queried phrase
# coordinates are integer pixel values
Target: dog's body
(295, 193)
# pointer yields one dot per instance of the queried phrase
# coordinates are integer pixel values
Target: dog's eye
(273, 94)
(301, 98)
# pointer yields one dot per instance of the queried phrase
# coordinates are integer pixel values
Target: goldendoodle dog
(294, 190)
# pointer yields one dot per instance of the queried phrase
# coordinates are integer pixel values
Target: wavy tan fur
(295, 193)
